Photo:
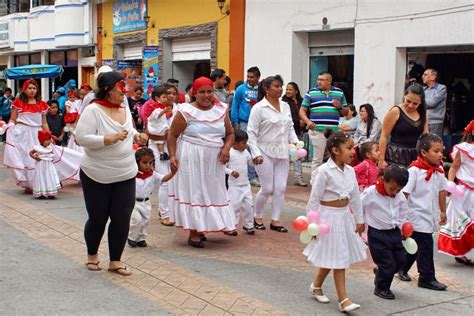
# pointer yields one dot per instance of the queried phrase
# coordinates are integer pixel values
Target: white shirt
(383, 212)
(239, 161)
(101, 163)
(144, 187)
(465, 172)
(332, 183)
(270, 131)
(158, 125)
(423, 199)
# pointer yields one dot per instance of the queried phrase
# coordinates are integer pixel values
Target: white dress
(23, 136)
(342, 246)
(45, 177)
(197, 194)
(456, 238)
(74, 107)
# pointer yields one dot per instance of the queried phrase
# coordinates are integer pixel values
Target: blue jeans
(251, 169)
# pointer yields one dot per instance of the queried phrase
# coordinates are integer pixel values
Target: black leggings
(114, 200)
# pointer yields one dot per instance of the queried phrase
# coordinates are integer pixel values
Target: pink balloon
(451, 187)
(458, 192)
(301, 153)
(324, 229)
(313, 217)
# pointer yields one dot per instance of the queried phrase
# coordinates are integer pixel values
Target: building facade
(60, 32)
(366, 45)
(191, 37)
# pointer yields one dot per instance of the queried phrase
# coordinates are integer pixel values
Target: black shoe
(132, 243)
(258, 226)
(465, 261)
(385, 294)
(279, 229)
(433, 285)
(164, 156)
(203, 237)
(195, 244)
(231, 233)
(142, 244)
(403, 276)
(250, 231)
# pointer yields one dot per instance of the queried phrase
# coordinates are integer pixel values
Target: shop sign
(128, 15)
(5, 34)
(150, 68)
(108, 62)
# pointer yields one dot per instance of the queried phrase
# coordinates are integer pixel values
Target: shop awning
(34, 71)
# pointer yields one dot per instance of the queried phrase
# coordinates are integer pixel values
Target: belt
(141, 199)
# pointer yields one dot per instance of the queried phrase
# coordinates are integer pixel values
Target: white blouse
(360, 134)
(332, 183)
(383, 212)
(423, 199)
(270, 131)
(144, 187)
(101, 163)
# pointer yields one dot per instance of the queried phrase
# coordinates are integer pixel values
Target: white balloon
(313, 229)
(300, 144)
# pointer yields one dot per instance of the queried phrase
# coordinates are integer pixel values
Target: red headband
(72, 93)
(44, 136)
(201, 82)
(469, 128)
(86, 87)
(27, 84)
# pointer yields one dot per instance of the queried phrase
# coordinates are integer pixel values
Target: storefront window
(35, 59)
(72, 58)
(37, 3)
(22, 60)
(57, 58)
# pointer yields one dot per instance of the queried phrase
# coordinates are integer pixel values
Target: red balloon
(135, 147)
(407, 229)
(300, 225)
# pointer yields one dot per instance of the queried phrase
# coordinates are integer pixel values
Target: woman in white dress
(28, 117)
(197, 195)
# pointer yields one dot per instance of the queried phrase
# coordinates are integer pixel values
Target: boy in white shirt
(426, 194)
(385, 209)
(240, 192)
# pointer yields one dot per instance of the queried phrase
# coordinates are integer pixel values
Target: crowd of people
(203, 150)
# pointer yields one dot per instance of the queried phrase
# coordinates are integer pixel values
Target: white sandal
(321, 298)
(348, 308)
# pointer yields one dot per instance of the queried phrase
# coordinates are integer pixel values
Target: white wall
(276, 40)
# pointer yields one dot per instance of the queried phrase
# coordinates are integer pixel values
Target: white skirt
(342, 246)
(197, 195)
(45, 179)
(20, 141)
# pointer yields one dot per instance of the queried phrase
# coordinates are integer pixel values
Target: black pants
(424, 257)
(388, 254)
(104, 201)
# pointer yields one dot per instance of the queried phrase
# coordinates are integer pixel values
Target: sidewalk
(43, 255)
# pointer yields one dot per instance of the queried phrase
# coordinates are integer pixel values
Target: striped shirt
(321, 110)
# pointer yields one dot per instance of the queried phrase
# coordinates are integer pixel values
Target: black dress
(401, 149)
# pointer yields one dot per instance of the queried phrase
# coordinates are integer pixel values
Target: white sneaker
(321, 298)
(348, 308)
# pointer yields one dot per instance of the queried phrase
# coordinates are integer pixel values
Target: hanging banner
(150, 69)
(129, 15)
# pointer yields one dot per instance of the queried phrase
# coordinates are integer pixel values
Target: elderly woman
(108, 169)
(270, 132)
(403, 125)
(197, 195)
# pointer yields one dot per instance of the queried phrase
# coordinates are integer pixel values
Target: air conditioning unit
(88, 51)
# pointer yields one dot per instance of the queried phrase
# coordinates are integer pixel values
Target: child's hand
(442, 218)
(141, 139)
(174, 165)
(360, 228)
(258, 160)
(235, 174)
(121, 135)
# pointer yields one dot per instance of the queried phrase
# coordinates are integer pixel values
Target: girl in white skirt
(197, 194)
(334, 187)
(45, 178)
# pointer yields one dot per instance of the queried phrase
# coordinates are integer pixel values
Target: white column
(44, 81)
(11, 83)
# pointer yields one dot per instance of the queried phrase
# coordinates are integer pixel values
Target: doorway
(88, 76)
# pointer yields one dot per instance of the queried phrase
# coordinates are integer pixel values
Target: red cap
(469, 128)
(44, 136)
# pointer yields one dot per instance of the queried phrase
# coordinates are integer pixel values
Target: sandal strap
(343, 301)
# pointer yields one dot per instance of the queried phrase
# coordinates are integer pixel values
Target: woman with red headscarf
(27, 118)
(197, 195)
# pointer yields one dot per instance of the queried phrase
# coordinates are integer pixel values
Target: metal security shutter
(326, 43)
(132, 51)
(191, 49)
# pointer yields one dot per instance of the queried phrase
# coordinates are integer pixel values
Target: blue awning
(34, 71)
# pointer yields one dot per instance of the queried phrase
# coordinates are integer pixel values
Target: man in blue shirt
(435, 100)
(245, 97)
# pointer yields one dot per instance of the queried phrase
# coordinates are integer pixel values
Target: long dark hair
(24, 98)
(106, 82)
(417, 89)
(299, 98)
(370, 116)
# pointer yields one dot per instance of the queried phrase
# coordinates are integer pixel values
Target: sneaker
(250, 231)
(142, 243)
(255, 183)
(301, 183)
(132, 243)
